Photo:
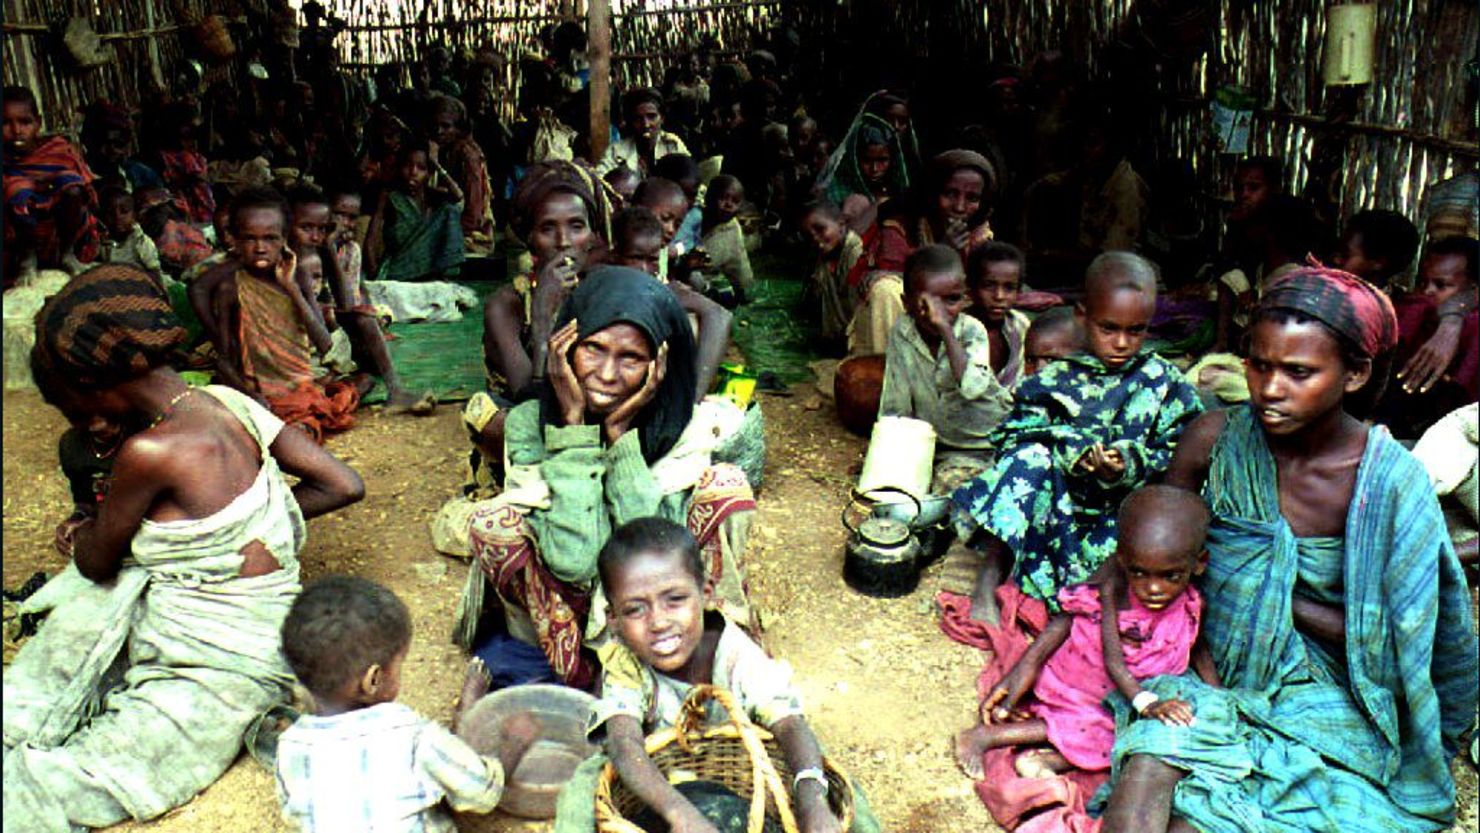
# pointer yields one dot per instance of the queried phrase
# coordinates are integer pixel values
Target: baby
(364, 761)
(1083, 654)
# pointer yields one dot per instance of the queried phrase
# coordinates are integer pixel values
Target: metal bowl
(530, 791)
(933, 510)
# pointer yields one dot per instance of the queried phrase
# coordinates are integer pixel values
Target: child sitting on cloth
(362, 760)
(265, 328)
(938, 368)
(724, 240)
(668, 641)
(838, 249)
(1083, 654)
(1082, 433)
(48, 194)
(994, 279)
(124, 240)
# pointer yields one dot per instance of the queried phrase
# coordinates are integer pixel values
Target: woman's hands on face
(620, 419)
(562, 376)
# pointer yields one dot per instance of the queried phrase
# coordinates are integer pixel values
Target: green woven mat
(445, 358)
(769, 329)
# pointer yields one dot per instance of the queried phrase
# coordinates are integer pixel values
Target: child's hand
(1112, 465)
(1000, 705)
(1172, 712)
(937, 313)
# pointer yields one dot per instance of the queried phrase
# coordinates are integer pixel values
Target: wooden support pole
(599, 50)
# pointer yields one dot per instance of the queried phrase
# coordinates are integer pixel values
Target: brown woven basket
(739, 754)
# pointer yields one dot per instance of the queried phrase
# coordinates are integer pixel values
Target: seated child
(994, 277)
(838, 249)
(123, 240)
(1437, 372)
(637, 239)
(624, 181)
(1082, 433)
(362, 760)
(180, 163)
(724, 240)
(666, 198)
(1376, 246)
(48, 194)
(311, 226)
(1081, 656)
(108, 142)
(468, 165)
(416, 234)
(667, 643)
(86, 452)
(681, 169)
(265, 328)
(1053, 335)
(938, 368)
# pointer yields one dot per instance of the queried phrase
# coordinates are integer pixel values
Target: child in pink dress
(1081, 656)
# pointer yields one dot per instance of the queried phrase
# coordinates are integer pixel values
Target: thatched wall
(1414, 126)
(146, 40)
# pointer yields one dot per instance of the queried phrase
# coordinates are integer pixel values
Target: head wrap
(842, 176)
(107, 326)
(621, 295)
(1351, 307)
(547, 178)
(947, 163)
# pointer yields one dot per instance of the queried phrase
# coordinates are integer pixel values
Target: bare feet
(1041, 763)
(402, 402)
(971, 745)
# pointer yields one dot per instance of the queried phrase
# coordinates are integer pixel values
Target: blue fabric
(1059, 522)
(511, 662)
(688, 234)
(1304, 738)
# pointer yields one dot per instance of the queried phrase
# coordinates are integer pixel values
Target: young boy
(1376, 246)
(1053, 335)
(265, 328)
(838, 249)
(362, 760)
(124, 240)
(637, 239)
(1083, 433)
(48, 194)
(312, 225)
(937, 368)
(668, 641)
(994, 277)
(724, 240)
(646, 141)
(682, 170)
(666, 199)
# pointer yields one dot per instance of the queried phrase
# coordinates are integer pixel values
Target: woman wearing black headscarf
(615, 436)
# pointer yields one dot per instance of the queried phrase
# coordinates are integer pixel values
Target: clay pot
(856, 389)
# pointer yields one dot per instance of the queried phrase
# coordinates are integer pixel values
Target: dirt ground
(884, 688)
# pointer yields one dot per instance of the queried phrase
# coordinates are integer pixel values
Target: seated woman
(181, 582)
(867, 169)
(614, 436)
(1336, 611)
(949, 205)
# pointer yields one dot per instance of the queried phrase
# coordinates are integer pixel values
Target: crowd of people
(1196, 428)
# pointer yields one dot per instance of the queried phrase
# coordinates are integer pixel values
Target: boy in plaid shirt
(364, 762)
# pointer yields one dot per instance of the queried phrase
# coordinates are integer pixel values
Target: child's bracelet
(813, 773)
(1143, 701)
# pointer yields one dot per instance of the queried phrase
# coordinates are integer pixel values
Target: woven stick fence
(1415, 125)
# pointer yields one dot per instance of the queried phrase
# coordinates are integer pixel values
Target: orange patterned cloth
(277, 360)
